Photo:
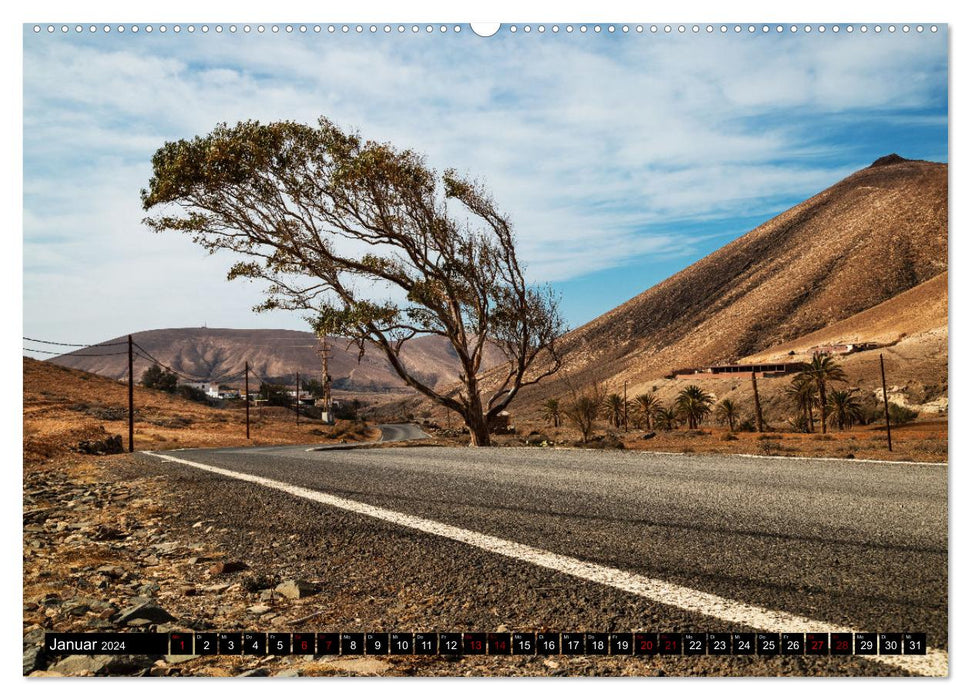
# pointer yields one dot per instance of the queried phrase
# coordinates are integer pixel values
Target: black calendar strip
(491, 643)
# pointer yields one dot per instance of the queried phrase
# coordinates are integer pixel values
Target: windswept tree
(647, 405)
(551, 411)
(371, 243)
(693, 404)
(821, 370)
(845, 408)
(726, 411)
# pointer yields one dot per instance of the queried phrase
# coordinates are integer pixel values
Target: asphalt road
(395, 432)
(844, 543)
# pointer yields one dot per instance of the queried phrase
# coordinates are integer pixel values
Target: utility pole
(131, 398)
(625, 406)
(886, 404)
(298, 398)
(326, 414)
(758, 404)
(246, 389)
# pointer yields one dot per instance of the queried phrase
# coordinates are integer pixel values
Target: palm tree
(551, 411)
(615, 409)
(727, 411)
(647, 405)
(802, 392)
(694, 403)
(822, 369)
(665, 418)
(845, 408)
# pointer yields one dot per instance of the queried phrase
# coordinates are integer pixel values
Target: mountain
(214, 353)
(867, 239)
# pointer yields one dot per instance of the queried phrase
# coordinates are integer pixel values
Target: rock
(144, 611)
(149, 589)
(649, 436)
(227, 567)
(259, 609)
(105, 533)
(138, 622)
(289, 673)
(74, 665)
(297, 588)
(108, 446)
(254, 673)
(34, 659)
(128, 665)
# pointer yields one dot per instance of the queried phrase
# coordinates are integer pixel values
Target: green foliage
(899, 415)
(647, 406)
(615, 406)
(726, 411)
(819, 371)
(551, 411)
(157, 378)
(583, 409)
(312, 387)
(844, 408)
(274, 394)
(693, 404)
(192, 393)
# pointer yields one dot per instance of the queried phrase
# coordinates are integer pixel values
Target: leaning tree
(372, 243)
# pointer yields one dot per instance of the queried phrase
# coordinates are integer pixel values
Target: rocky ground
(121, 543)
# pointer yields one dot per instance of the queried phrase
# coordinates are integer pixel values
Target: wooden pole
(886, 404)
(298, 398)
(758, 404)
(246, 389)
(131, 398)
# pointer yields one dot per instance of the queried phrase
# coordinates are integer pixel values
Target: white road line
(791, 457)
(934, 663)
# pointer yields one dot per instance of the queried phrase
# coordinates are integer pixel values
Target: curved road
(398, 432)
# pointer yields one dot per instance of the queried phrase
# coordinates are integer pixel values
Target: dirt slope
(872, 236)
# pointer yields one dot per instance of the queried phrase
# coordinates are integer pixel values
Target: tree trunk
(809, 412)
(822, 405)
(478, 429)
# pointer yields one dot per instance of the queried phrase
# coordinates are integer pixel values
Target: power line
(73, 345)
(151, 358)
(76, 354)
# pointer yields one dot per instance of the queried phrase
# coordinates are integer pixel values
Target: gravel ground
(847, 543)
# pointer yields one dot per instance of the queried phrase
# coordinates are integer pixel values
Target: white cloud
(597, 146)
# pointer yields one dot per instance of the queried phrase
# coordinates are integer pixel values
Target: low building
(764, 369)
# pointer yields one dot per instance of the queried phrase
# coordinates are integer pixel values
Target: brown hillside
(877, 233)
(213, 353)
(64, 406)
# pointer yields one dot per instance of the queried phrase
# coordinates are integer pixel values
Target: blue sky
(620, 158)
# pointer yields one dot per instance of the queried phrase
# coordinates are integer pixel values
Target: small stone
(227, 567)
(259, 609)
(297, 588)
(144, 611)
(254, 673)
(75, 665)
(289, 673)
(34, 658)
